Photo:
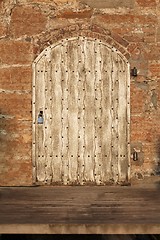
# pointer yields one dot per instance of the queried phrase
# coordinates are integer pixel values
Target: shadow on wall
(158, 163)
(157, 169)
(6, 149)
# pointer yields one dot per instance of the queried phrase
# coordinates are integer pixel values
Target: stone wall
(28, 26)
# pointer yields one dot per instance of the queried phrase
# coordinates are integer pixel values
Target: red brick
(127, 19)
(158, 34)
(141, 79)
(154, 70)
(119, 39)
(109, 3)
(16, 105)
(131, 47)
(71, 15)
(13, 125)
(26, 20)
(98, 29)
(122, 31)
(15, 52)
(47, 1)
(17, 174)
(146, 3)
(152, 51)
(141, 34)
(149, 33)
(15, 152)
(39, 1)
(61, 1)
(18, 141)
(138, 52)
(1, 4)
(151, 154)
(134, 37)
(3, 29)
(145, 128)
(138, 99)
(16, 78)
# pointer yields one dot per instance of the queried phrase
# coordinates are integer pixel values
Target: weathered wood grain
(48, 122)
(56, 114)
(80, 205)
(89, 110)
(83, 90)
(114, 105)
(122, 117)
(73, 109)
(127, 76)
(81, 110)
(98, 119)
(64, 84)
(106, 69)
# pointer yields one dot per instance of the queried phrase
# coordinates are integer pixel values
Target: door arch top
(94, 31)
(85, 106)
(106, 42)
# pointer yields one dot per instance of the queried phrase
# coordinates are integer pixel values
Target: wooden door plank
(56, 114)
(65, 121)
(114, 110)
(98, 113)
(81, 110)
(89, 111)
(48, 119)
(122, 127)
(106, 70)
(127, 77)
(73, 109)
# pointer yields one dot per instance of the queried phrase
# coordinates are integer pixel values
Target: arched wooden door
(81, 114)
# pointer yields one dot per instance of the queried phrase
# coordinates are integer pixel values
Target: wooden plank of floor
(79, 205)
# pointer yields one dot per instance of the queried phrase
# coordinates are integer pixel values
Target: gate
(81, 114)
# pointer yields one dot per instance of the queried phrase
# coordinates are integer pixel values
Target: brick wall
(28, 26)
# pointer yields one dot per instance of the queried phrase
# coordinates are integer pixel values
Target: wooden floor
(80, 210)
